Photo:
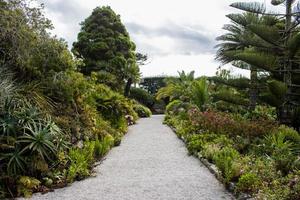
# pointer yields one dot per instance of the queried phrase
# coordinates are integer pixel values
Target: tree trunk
(127, 87)
(285, 115)
(253, 89)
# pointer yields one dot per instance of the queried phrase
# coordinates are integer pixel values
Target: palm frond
(199, 92)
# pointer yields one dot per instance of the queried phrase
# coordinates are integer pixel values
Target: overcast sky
(175, 34)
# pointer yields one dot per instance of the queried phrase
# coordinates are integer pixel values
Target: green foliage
(27, 45)
(250, 7)
(104, 45)
(142, 111)
(186, 89)
(80, 161)
(177, 88)
(142, 96)
(224, 161)
(174, 107)
(248, 182)
(26, 185)
(25, 135)
(293, 44)
(153, 84)
(275, 94)
(199, 93)
(101, 147)
(209, 150)
(39, 139)
(262, 112)
(282, 147)
(47, 108)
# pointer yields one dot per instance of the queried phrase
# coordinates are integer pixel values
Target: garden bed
(258, 162)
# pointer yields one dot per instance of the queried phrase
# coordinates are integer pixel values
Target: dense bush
(231, 124)
(224, 161)
(142, 96)
(142, 111)
(248, 182)
(175, 106)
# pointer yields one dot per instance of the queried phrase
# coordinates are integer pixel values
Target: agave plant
(38, 138)
(15, 161)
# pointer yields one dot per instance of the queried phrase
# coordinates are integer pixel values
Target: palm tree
(185, 88)
(176, 87)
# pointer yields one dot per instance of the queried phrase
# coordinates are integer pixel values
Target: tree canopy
(104, 45)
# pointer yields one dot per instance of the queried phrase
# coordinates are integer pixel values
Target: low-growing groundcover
(255, 153)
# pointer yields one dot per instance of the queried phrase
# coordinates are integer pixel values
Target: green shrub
(265, 169)
(194, 146)
(105, 145)
(241, 166)
(81, 161)
(38, 139)
(142, 111)
(280, 147)
(274, 191)
(26, 185)
(262, 112)
(175, 106)
(224, 161)
(117, 139)
(248, 183)
(230, 124)
(142, 96)
(196, 142)
(209, 151)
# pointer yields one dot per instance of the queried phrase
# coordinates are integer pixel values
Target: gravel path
(151, 163)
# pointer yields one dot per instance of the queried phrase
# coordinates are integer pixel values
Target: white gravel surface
(151, 163)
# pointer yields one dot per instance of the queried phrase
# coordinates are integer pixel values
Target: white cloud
(179, 34)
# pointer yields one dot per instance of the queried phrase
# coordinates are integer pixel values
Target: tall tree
(26, 46)
(281, 58)
(240, 38)
(104, 46)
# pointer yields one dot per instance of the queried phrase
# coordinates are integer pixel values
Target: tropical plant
(278, 53)
(38, 139)
(185, 88)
